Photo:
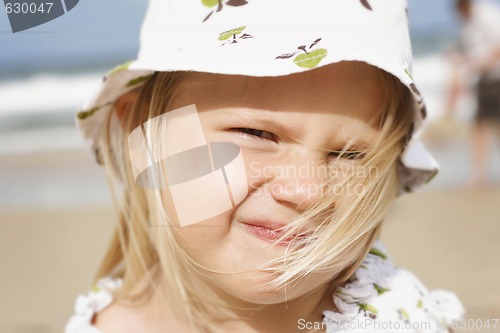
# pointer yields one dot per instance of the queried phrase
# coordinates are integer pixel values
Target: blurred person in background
(476, 60)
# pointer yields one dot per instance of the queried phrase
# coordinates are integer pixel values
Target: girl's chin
(256, 292)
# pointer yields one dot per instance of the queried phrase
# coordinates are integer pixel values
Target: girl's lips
(267, 234)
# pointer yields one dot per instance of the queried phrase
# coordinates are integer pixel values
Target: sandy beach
(448, 236)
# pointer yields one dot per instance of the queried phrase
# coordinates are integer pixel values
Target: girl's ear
(123, 106)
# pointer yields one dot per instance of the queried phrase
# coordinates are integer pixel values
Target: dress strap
(98, 298)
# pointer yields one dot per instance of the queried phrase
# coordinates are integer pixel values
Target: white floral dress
(380, 297)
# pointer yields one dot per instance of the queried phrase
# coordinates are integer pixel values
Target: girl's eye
(260, 134)
(351, 155)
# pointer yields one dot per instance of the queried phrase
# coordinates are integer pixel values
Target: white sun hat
(269, 38)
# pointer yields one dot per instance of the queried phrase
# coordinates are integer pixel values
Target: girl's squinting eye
(259, 134)
(264, 135)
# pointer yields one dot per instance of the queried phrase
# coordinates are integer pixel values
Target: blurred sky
(95, 32)
(101, 32)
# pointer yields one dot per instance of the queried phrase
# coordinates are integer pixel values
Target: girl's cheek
(257, 157)
(258, 169)
(197, 237)
(208, 197)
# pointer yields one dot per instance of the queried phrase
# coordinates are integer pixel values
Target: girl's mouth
(269, 234)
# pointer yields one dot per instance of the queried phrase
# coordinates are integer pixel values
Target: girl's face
(286, 126)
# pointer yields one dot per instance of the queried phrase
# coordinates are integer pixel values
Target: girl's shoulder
(87, 306)
(381, 297)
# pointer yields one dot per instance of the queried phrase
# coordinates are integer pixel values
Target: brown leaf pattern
(415, 89)
(409, 134)
(420, 101)
(235, 34)
(207, 17)
(366, 4)
(423, 111)
(286, 55)
(314, 43)
(236, 3)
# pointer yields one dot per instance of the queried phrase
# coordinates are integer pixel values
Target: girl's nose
(298, 181)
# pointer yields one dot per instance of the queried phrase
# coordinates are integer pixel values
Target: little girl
(253, 150)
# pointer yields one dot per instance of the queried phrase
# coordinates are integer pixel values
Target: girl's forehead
(350, 89)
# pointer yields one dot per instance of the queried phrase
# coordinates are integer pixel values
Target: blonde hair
(346, 228)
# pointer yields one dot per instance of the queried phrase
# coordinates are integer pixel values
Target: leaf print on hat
(408, 73)
(226, 35)
(366, 4)
(87, 113)
(220, 5)
(423, 111)
(138, 80)
(84, 114)
(307, 59)
(119, 68)
(420, 101)
(210, 3)
(434, 173)
(98, 156)
(409, 135)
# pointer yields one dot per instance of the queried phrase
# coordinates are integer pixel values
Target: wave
(46, 93)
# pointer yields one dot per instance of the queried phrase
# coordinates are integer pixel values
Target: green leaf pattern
(310, 57)
(138, 80)
(235, 33)
(83, 114)
(220, 5)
